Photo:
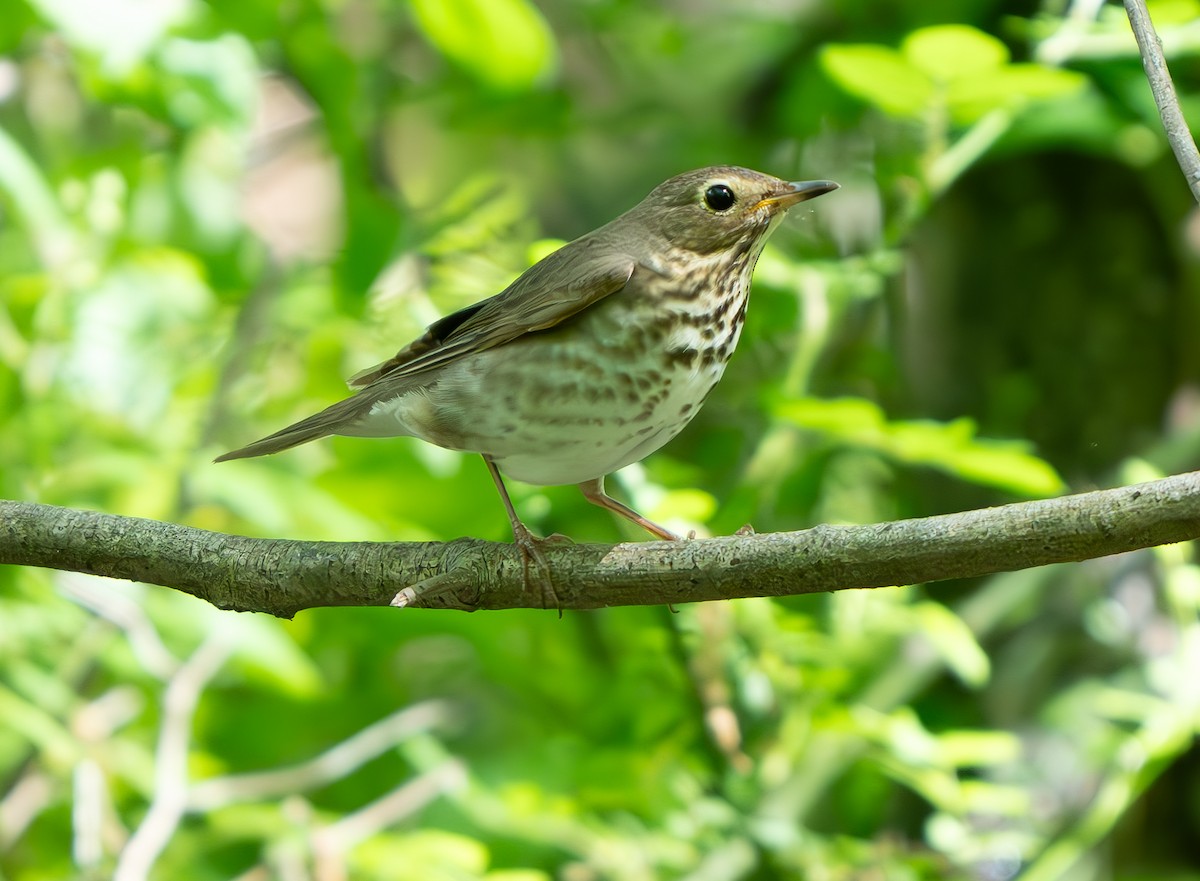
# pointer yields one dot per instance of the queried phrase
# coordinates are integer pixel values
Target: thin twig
(333, 764)
(90, 801)
(125, 612)
(23, 803)
(336, 839)
(1178, 134)
(171, 772)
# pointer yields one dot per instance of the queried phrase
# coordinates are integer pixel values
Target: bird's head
(713, 209)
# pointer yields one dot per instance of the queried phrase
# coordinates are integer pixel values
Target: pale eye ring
(719, 197)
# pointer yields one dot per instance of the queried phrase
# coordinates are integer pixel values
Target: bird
(593, 358)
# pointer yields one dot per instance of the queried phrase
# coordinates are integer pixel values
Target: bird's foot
(535, 566)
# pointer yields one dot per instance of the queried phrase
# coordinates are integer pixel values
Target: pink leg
(593, 491)
(528, 544)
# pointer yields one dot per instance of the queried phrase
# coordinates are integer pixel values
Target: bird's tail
(331, 420)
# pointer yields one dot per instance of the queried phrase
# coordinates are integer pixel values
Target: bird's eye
(719, 197)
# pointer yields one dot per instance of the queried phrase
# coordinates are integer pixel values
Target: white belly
(549, 411)
(565, 425)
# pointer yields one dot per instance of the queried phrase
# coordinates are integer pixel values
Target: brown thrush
(594, 358)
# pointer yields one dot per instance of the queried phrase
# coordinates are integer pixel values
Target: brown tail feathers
(329, 421)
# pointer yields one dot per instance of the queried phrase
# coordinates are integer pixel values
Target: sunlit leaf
(504, 43)
(542, 248)
(121, 32)
(250, 821)
(267, 653)
(985, 797)
(685, 504)
(131, 335)
(422, 855)
(218, 79)
(950, 446)
(880, 76)
(955, 642)
(950, 52)
(31, 722)
(1173, 12)
(957, 65)
(31, 193)
(971, 97)
(516, 875)
(978, 748)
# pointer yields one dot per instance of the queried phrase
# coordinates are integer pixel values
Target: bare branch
(1178, 134)
(283, 577)
(170, 774)
(127, 614)
(333, 764)
(24, 802)
(335, 840)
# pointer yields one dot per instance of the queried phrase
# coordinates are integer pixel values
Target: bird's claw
(529, 546)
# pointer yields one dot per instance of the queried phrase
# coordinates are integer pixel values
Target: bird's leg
(528, 544)
(593, 491)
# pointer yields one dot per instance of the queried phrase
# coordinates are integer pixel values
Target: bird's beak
(798, 191)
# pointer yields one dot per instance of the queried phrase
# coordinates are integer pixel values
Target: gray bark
(283, 577)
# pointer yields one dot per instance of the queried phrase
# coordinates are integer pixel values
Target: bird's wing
(563, 284)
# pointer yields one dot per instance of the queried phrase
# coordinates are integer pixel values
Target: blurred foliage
(212, 213)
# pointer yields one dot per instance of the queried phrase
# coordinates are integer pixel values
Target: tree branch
(1178, 134)
(283, 577)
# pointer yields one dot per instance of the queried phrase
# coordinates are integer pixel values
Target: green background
(211, 214)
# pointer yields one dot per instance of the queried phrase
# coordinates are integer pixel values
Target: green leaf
(953, 447)
(542, 248)
(964, 67)
(428, 855)
(121, 32)
(23, 181)
(41, 729)
(248, 822)
(949, 52)
(880, 76)
(687, 505)
(1008, 87)
(267, 653)
(210, 80)
(1172, 12)
(955, 643)
(949, 446)
(978, 748)
(506, 44)
(984, 797)
(902, 731)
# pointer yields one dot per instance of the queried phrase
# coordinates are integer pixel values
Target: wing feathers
(322, 424)
(563, 284)
(548, 293)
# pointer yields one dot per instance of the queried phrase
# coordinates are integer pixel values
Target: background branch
(284, 577)
(1178, 134)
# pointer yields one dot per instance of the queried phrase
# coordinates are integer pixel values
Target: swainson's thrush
(593, 358)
